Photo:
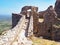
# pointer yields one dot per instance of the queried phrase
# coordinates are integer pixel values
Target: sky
(14, 6)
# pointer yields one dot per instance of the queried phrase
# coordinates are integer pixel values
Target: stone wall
(43, 22)
(57, 8)
(15, 19)
(35, 21)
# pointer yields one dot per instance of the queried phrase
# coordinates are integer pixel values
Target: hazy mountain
(5, 17)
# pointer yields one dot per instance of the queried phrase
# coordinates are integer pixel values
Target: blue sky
(14, 6)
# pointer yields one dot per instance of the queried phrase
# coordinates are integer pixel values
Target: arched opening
(41, 20)
(28, 14)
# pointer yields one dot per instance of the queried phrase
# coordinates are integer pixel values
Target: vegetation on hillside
(5, 25)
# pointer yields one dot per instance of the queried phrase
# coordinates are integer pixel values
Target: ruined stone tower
(45, 23)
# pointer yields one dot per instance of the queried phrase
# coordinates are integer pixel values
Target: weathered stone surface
(16, 36)
(44, 24)
(48, 17)
(42, 21)
(25, 9)
(35, 20)
(49, 20)
(15, 19)
(45, 28)
(57, 8)
(41, 14)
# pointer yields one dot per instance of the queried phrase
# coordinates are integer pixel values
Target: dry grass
(38, 41)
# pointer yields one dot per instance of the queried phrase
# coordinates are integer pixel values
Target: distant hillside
(5, 22)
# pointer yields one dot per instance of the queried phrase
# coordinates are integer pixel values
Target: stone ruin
(45, 23)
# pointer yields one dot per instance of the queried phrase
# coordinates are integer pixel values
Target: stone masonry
(30, 22)
(45, 22)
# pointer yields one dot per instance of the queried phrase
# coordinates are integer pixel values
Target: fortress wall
(10, 36)
(15, 19)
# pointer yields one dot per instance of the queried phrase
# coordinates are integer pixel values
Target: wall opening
(41, 20)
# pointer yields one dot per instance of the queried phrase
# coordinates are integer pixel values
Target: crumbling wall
(15, 19)
(46, 27)
(35, 21)
(57, 8)
(42, 21)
